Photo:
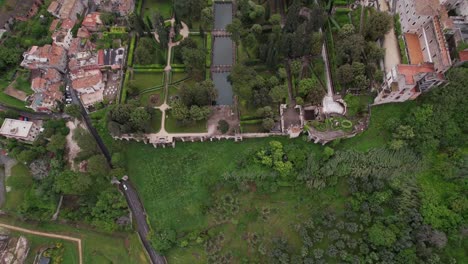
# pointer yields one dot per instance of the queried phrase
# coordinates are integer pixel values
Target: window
(414, 23)
(433, 56)
(431, 41)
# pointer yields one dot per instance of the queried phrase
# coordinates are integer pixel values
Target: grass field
(20, 181)
(178, 76)
(70, 250)
(164, 7)
(172, 126)
(154, 98)
(177, 192)
(376, 135)
(23, 84)
(156, 121)
(145, 80)
(97, 247)
(13, 102)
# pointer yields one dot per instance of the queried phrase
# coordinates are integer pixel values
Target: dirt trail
(73, 148)
(51, 235)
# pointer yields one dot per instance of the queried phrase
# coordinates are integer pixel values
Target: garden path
(184, 32)
(392, 51)
(51, 235)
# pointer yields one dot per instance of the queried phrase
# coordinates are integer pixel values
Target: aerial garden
(374, 196)
(369, 198)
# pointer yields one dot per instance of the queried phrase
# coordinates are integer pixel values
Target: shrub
(223, 126)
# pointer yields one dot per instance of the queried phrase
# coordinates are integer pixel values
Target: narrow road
(140, 217)
(51, 235)
(131, 195)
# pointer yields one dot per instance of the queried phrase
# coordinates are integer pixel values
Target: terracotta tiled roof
(101, 57)
(409, 71)
(38, 84)
(92, 21)
(53, 6)
(52, 75)
(83, 33)
(67, 24)
(53, 25)
(463, 55)
(414, 48)
(89, 79)
(56, 54)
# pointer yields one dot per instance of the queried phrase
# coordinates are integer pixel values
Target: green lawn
(69, 253)
(376, 135)
(23, 84)
(13, 102)
(98, 247)
(172, 126)
(20, 181)
(252, 128)
(178, 76)
(164, 7)
(176, 193)
(154, 98)
(145, 80)
(156, 121)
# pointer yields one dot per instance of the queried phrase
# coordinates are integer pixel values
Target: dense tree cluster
(88, 195)
(129, 118)
(358, 54)
(145, 51)
(194, 102)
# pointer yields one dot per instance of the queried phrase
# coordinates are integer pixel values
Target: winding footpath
(51, 235)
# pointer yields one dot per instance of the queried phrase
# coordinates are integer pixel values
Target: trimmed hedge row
(251, 122)
(208, 47)
(149, 66)
(148, 70)
(247, 117)
(131, 50)
(123, 93)
(178, 70)
(175, 66)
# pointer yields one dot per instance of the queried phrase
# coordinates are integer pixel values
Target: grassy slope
(375, 135)
(174, 185)
(164, 7)
(144, 80)
(19, 181)
(70, 254)
(97, 247)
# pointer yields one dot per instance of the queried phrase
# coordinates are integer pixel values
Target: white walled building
(20, 130)
(422, 18)
(406, 82)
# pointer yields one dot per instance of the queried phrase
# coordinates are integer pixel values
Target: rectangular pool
(224, 88)
(223, 48)
(222, 15)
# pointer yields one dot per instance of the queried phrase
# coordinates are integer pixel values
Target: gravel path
(392, 50)
(73, 148)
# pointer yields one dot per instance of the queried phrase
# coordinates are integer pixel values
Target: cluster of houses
(432, 31)
(73, 59)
